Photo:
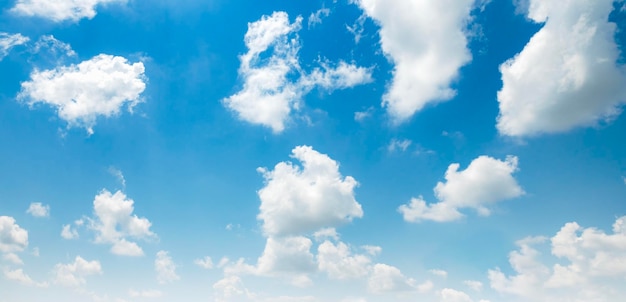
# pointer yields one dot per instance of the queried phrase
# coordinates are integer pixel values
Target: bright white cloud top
(302, 200)
(74, 274)
(590, 266)
(13, 238)
(270, 93)
(60, 10)
(427, 43)
(115, 223)
(99, 87)
(165, 268)
(8, 41)
(566, 76)
(483, 183)
(37, 209)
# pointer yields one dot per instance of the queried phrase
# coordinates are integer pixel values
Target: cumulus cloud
(12, 237)
(13, 258)
(453, 295)
(165, 268)
(8, 41)
(115, 223)
(439, 272)
(230, 288)
(60, 10)
(338, 261)
(486, 181)
(99, 87)
(566, 76)
(37, 209)
(53, 45)
(69, 233)
(386, 278)
(273, 87)
(20, 276)
(474, 285)
(73, 274)
(590, 266)
(427, 43)
(298, 200)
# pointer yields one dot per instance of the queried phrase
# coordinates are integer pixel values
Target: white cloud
(339, 263)
(452, 295)
(398, 145)
(165, 268)
(18, 275)
(566, 76)
(474, 285)
(316, 17)
(53, 45)
(12, 237)
(273, 87)
(68, 232)
(360, 116)
(230, 288)
(439, 272)
(428, 45)
(326, 233)
(205, 263)
(60, 10)
(115, 222)
(302, 200)
(153, 293)
(37, 209)
(8, 41)
(13, 258)
(591, 266)
(73, 274)
(385, 278)
(357, 28)
(81, 93)
(117, 173)
(486, 181)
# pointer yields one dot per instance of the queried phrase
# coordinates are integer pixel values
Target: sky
(312, 150)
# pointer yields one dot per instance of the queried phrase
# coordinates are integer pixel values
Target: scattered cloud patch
(69, 233)
(590, 266)
(386, 278)
(13, 238)
(165, 268)
(273, 87)
(361, 116)
(115, 223)
(305, 199)
(53, 45)
(474, 285)
(397, 145)
(453, 295)
(21, 277)
(427, 43)
(357, 28)
(153, 293)
(567, 75)
(13, 258)
(485, 182)
(98, 87)
(439, 273)
(37, 209)
(316, 17)
(73, 274)
(338, 261)
(60, 10)
(8, 41)
(117, 173)
(205, 263)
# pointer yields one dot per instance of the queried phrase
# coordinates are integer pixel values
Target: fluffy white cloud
(485, 181)
(114, 223)
(428, 45)
(68, 232)
(273, 87)
(439, 272)
(8, 41)
(165, 268)
(12, 237)
(339, 263)
(385, 278)
(230, 288)
(60, 10)
(53, 45)
(474, 285)
(37, 209)
(452, 295)
(591, 266)
(152, 293)
(20, 276)
(566, 76)
(303, 200)
(205, 263)
(13, 258)
(80, 93)
(73, 274)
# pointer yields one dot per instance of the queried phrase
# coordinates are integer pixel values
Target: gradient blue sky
(364, 150)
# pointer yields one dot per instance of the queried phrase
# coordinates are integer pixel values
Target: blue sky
(365, 150)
